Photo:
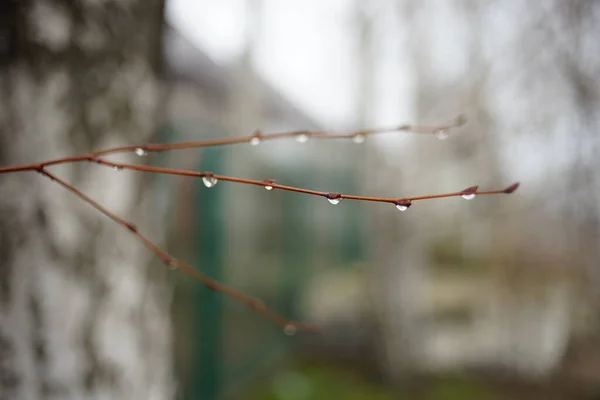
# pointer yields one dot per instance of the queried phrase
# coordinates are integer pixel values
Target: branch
(174, 263)
(254, 139)
(209, 179)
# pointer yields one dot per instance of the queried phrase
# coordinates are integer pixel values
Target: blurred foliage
(451, 388)
(312, 382)
(456, 315)
(318, 381)
(446, 254)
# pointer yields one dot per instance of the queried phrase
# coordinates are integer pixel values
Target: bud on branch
(209, 179)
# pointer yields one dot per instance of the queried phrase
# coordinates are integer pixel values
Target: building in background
(266, 243)
(491, 283)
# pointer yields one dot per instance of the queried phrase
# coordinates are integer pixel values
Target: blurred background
(497, 297)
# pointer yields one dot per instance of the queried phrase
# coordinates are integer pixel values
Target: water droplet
(469, 193)
(334, 198)
(441, 134)
(117, 168)
(172, 265)
(359, 138)
(402, 205)
(290, 329)
(255, 141)
(209, 181)
(302, 138)
(270, 183)
(141, 152)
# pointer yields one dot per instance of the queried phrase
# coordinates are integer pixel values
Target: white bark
(83, 313)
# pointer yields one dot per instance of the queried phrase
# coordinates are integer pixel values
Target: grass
(324, 381)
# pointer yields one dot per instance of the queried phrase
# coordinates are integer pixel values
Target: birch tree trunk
(83, 313)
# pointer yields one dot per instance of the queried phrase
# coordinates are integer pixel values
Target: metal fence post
(208, 228)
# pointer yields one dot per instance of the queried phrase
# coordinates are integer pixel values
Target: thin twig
(210, 179)
(145, 148)
(273, 185)
(172, 262)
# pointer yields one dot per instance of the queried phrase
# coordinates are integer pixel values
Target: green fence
(220, 345)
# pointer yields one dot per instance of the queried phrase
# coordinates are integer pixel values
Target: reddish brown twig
(172, 262)
(211, 179)
(468, 193)
(145, 148)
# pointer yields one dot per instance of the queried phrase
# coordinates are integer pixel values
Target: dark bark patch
(41, 217)
(9, 31)
(39, 342)
(6, 258)
(9, 379)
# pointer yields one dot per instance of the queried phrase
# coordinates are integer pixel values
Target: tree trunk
(83, 313)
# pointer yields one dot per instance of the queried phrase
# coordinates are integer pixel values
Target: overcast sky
(305, 48)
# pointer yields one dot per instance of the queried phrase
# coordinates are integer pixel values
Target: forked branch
(254, 139)
(210, 179)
